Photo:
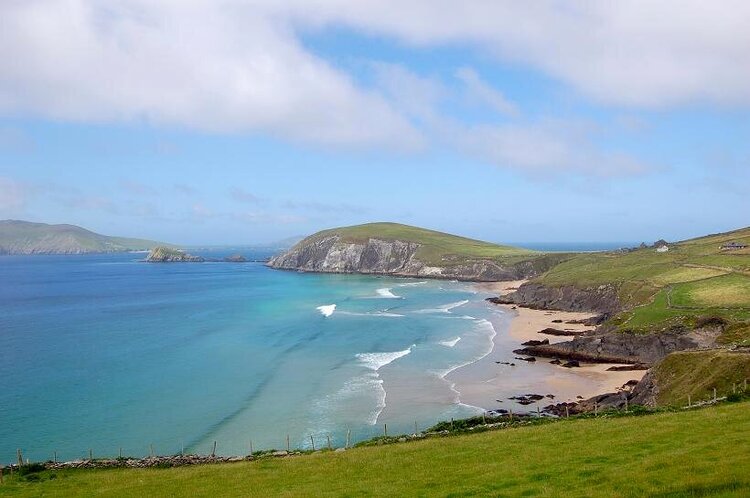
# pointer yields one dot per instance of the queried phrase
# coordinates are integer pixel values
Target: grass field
(695, 278)
(691, 453)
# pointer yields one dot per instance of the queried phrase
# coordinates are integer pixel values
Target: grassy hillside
(437, 249)
(694, 278)
(697, 374)
(692, 453)
(23, 237)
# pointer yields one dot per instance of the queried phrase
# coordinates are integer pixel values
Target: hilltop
(24, 237)
(403, 250)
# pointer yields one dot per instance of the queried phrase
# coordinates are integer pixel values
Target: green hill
(435, 247)
(686, 453)
(395, 249)
(693, 279)
(23, 237)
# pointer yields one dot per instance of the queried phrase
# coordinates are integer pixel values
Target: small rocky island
(163, 254)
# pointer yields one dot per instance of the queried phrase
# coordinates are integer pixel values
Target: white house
(662, 248)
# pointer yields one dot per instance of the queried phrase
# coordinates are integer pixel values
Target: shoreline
(481, 382)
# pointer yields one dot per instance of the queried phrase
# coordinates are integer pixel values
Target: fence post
(19, 455)
(328, 436)
(714, 395)
(288, 448)
(451, 423)
(626, 403)
(689, 403)
(251, 447)
(538, 411)
(151, 449)
(312, 441)
(567, 413)
(1, 474)
(385, 430)
(510, 411)
(213, 452)
(744, 388)
(54, 457)
(415, 428)
(348, 437)
(734, 388)
(596, 408)
(91, 454)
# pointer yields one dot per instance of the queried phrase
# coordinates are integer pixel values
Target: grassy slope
(695, 278)
(697, 373)
(437, 249)
(20, 236)
(695, 453)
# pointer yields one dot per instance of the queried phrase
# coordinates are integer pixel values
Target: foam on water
(386, 293)
(412, 284)
(326, 310)
(450, 343)
(445, 308)
(376, 361)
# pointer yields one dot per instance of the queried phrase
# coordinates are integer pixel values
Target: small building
(662, 248)
(733, 246)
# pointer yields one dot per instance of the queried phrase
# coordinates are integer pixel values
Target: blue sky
(252, 122)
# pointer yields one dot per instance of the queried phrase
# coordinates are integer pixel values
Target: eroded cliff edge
(331, 254)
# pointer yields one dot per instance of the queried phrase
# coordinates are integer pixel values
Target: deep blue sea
(104, 352)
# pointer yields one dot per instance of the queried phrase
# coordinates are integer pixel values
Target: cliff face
(601, 299)
(390, 257)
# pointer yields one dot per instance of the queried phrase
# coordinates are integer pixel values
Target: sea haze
(104, 351)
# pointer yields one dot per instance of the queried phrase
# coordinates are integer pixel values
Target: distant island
(24, 237)
(163, 254)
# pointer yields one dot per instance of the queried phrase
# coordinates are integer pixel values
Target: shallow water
(104, 352)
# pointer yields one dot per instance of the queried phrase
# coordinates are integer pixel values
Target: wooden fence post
(510, 411)
(19, 455)
(484, 419)
(288, 448)
(567, 412)
(714, 395)
(596, 408)
(415, 428)
(91, 454)
(348, 437)
(385, 430)
(328, 436)
(451, 423)
(54, 457)
(213, 452)
(251, 447)
(312, 441)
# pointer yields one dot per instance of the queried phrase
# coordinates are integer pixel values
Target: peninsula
(24, 237)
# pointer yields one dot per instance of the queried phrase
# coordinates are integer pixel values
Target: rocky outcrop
(601, 299)
(626, 348)
(167, 255)
(329, 254)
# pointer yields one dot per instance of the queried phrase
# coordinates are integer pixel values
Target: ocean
(102, 352)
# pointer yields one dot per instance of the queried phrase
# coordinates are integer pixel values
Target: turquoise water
(104, 352)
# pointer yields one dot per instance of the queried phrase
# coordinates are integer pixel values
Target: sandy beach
(480, 383)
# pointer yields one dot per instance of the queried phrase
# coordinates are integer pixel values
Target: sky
(246, 122)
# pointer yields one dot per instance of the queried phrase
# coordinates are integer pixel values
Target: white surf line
(326, 310)
(374, 362)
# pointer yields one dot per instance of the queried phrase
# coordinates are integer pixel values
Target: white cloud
(630, 53)
(480, 92)
(551, 146)
(241, 195)
(231, 68)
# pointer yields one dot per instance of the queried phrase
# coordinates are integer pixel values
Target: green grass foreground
(692, 453)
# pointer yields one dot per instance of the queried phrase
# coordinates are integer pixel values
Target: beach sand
(486, 382)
